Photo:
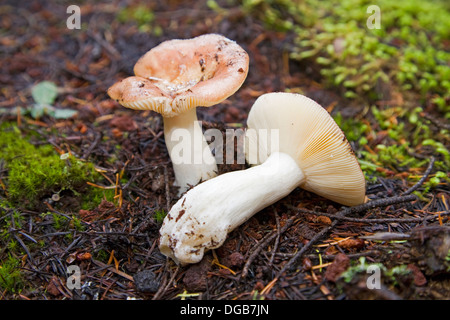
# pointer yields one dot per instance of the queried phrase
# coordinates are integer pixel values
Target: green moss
(390, 275)
(360, 267)
(160, 215)
(59, 220)
(143, 16)
(35, 172)
(94, 196)
(76, 224)
(409, 51)
(10, 276)
(403, 64)
(102, 255)
(354, 129)
(9, 220)
(406, 134)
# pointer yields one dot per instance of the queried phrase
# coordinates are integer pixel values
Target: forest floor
(107, 224)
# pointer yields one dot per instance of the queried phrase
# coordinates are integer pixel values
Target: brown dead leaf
(82, 256)
(318, 219)
(340, 263)
(352, 244)
(123, 123)
(53, 287)
(419, 278)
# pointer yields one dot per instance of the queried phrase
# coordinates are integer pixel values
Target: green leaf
(37, 110)
(44, 93)
(63, 113)
(8, 111)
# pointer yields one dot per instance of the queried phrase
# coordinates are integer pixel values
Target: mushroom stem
(204, 216)
(190, 154)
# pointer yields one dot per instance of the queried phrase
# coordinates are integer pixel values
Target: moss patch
(397, 143)
(35, 172)
(409, 51)
(398, 74)
(10, 276)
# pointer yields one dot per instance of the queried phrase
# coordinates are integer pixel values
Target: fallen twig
(331, 256)
(387, 236)
(376, 204)
(277, 239)
(421, 181)
(436, 122)
(112, 269)
(87, 153)
(167, 188)
(355, 209)
(13, 231)
(372, 220)
(262, 244)
(305, 248)
(164, 286)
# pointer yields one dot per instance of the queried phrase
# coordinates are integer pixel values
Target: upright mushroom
(312, 153)
(173, 79)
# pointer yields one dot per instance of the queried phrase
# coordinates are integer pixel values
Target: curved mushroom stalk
(203, 217)
(312, 153)
(191, 156)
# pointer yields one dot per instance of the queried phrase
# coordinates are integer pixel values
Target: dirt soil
(295, 249)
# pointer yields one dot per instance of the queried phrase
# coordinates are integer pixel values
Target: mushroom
(173, 79)
(312, 153)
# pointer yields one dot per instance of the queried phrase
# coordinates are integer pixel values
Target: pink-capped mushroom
(173, 79)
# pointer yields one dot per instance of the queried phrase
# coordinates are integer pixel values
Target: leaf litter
(295, 249)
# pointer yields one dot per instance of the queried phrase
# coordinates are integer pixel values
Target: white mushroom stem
(190, 154)
(204, 216)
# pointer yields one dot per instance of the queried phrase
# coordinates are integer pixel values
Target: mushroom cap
(308, 133)
(181, 74)
(141, 94)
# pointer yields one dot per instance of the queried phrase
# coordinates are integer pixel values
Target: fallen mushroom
(173, 79)
(312, 153)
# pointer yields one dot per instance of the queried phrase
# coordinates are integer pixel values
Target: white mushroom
(173, 79)
(312, 154)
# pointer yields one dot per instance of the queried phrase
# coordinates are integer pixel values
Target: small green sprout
(160, 215)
